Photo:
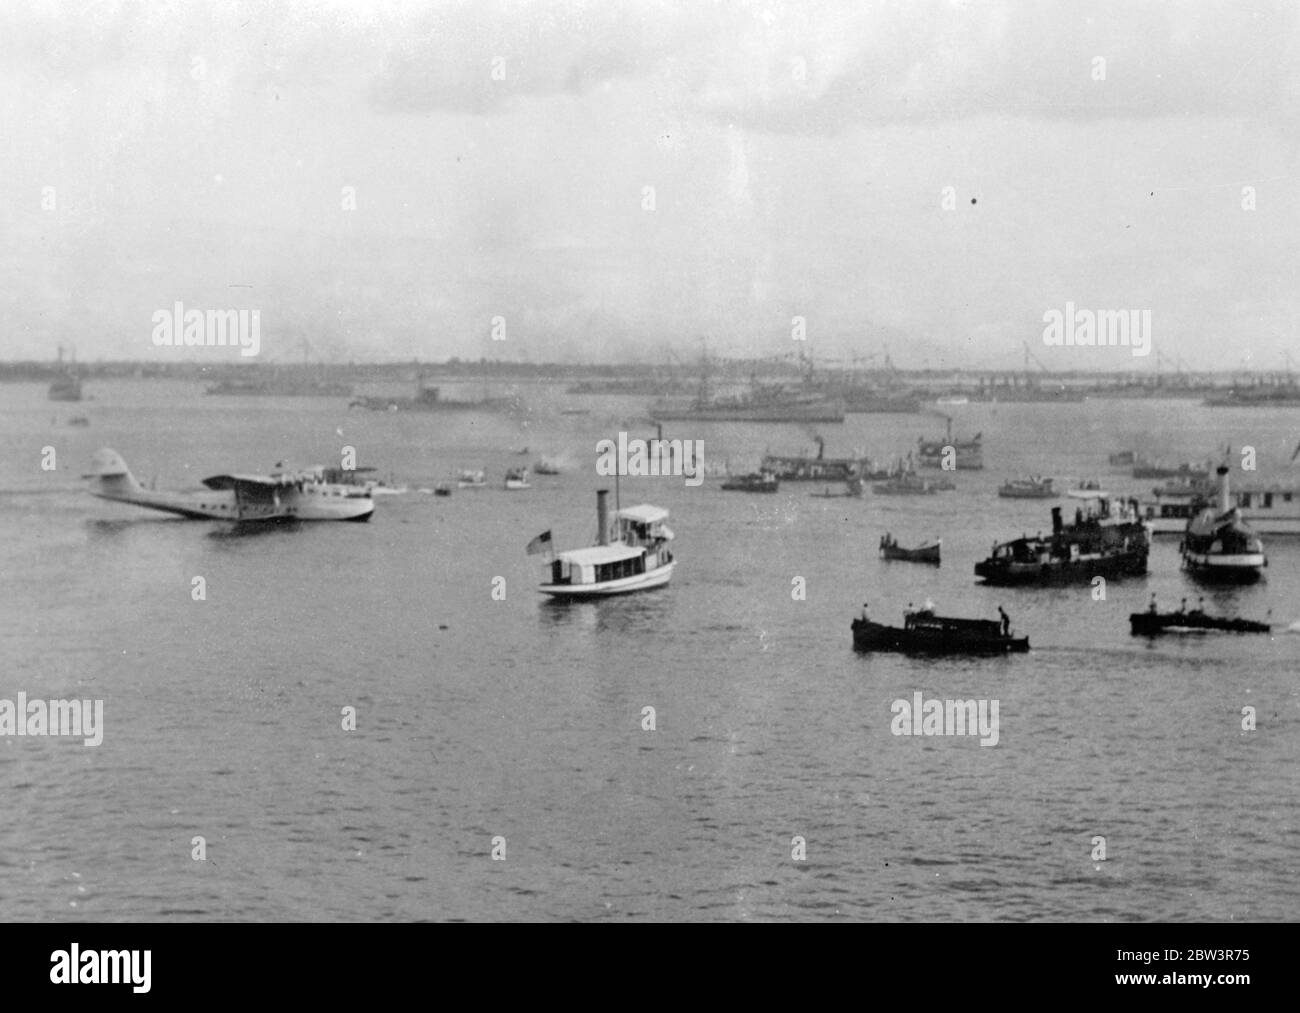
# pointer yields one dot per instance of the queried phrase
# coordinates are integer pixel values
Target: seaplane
(276, 497)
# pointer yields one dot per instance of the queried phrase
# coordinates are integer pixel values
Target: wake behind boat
(279, 496)
(635, 557)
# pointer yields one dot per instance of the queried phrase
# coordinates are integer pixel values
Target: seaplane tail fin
(110, 476)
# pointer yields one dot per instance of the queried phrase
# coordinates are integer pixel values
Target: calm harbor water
(518, 718)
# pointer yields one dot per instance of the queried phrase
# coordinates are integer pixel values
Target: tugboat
(815, 469)
(925, 553)
(636, 558)
(968, 454)
(1219, 545)
(1028, 488)
(1106, 540)
(924, 632)
(1152, 623)
(756, 481)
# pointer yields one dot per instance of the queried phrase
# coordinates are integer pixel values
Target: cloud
(478, 57)
(852, 63)
(824, 67)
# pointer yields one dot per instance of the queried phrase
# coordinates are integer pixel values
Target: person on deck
(1006, 622)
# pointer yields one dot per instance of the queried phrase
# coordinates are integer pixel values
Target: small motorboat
(1152, 623)
(927, 552)
(442, 489)
(924, 632)
(517, 478)
(755, 481)
(472, 480)
(545, 466)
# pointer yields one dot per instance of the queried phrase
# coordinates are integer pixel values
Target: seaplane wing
(248, 487)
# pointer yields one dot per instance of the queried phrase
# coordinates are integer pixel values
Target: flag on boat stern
(539, 544)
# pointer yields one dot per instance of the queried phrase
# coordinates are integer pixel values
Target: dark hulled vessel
(430, 399)
(926, 633)
(1151, 623)
(758, 481)
(1106, 540)
(821, 468)
(967, 455)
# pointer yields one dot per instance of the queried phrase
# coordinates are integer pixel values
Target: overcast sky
(798, 155)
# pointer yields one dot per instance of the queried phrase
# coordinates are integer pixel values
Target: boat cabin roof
(597, 555)
(644, 513)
